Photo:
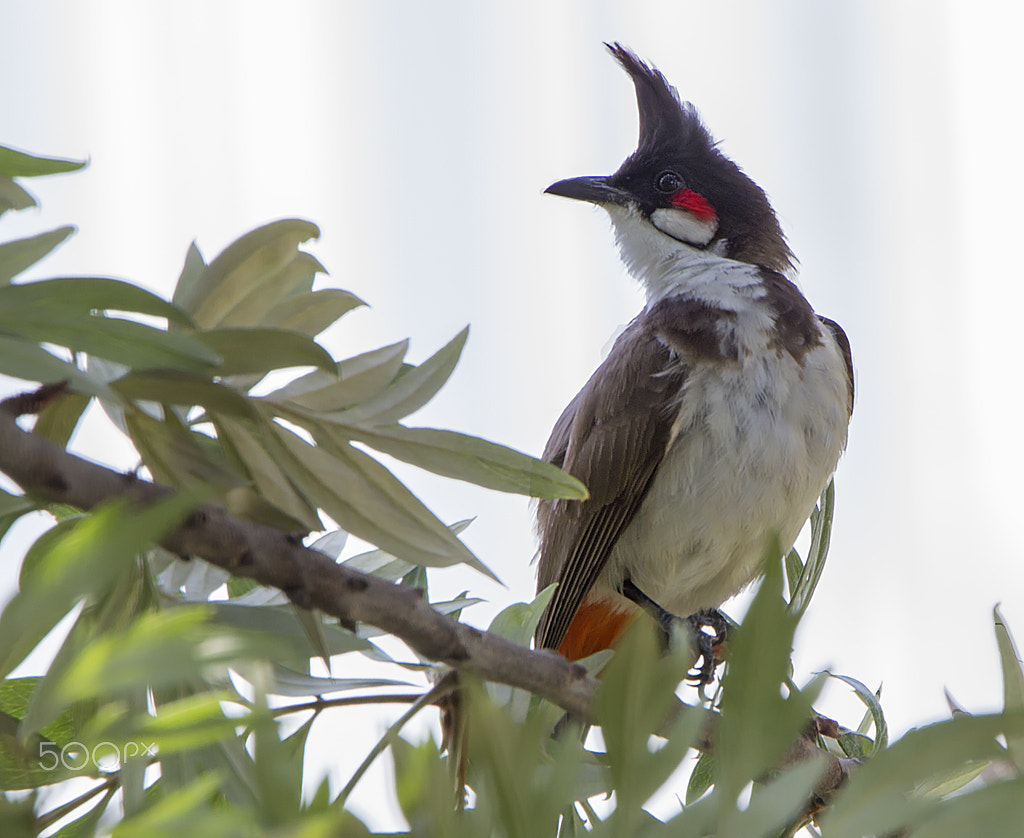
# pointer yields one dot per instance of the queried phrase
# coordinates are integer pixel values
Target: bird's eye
(668, 182)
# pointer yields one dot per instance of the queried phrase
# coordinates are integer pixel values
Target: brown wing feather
(613, 437)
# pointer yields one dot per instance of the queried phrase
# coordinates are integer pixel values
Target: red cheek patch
(694, 203)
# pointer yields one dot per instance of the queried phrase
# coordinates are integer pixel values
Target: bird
(719, 414)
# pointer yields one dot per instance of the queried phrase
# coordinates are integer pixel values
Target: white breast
(754, 445)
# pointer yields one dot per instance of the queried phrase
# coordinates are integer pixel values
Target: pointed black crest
(666, 122)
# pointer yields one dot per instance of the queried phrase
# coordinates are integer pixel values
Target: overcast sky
(420, 136)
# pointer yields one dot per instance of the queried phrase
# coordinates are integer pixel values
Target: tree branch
(314, 580)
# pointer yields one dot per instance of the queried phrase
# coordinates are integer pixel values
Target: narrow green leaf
(124, 341)
(187, 289)
(260, 306)
(26, 360)
(183, 388)
(874, 708)
(411, 390)
(16, 256)
(86, 294)
(281, 621)
(469, 458)
(311, 313)
(1013, 682)
(360, 377)
(996, 811)
(371, 503)
(271, 481)
(244, 351)
(13, 197)
(58, 420)
(817, 552)
(289, 682)
(15, 163)
(248, 263)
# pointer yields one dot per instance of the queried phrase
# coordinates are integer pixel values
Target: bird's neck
(665, 266)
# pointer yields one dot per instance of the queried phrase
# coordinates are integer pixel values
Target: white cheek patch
(684, 226)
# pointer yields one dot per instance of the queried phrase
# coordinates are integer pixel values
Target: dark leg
(706, 643)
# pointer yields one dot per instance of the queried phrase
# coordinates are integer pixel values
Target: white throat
(664, 265)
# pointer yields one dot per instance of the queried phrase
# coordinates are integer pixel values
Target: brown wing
(613, 437)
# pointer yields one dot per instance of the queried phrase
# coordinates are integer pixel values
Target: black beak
(597, 190)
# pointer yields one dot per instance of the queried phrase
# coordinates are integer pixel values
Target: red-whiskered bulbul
(720, 413)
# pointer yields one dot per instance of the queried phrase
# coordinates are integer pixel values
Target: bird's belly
(750, 456)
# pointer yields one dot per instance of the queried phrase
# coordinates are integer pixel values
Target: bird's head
(678, 182)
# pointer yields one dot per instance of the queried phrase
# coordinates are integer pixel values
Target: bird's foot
(707, 630)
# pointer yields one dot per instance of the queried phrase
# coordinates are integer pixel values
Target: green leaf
(19, 164)
(124, 341)
(26, 360)
(262, 303)
(313, 312)
(874, 707)
(12, 507)
(817, 552)
(1013, 682)
(244, 351)
(757, 723)
(411, 390)
(288, 682)
(270, 480)
(519, 621)
(701, 777)
(58, 420)
(16, 256)
(637, 691)
(86, 294)
(471, 459)
(355, 380)
(996, 811)
(371, 503)
(248, 264)
(878, 800)
(13, 197)
(80, 561)
(176, 456)
(182, 388)
(281, 621)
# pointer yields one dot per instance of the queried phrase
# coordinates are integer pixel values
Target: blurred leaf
(874, 707)
(58, 420)
(16, 256)
(877, 798)
(80, 560)
(251, 262)
(411, 390)
(331, 544)
(994, 812)
(192, 275)
(360, 378)
(191, 722)
(281, 621)
(291, 683)
(13, 197)
(371, 503)
(244, 351)
(176, 456)
(12, 507)
(472, 459)
(35, 761)
(701, 777)
(757, 723)
(85, 294)
(638, 689)
(313, 312)
(943, 784)
(28, 361)
(19, 164)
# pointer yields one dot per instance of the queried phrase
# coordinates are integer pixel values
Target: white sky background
(420, 137)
